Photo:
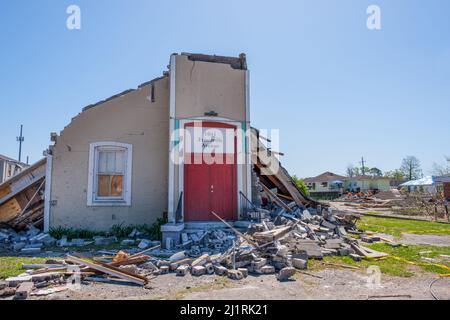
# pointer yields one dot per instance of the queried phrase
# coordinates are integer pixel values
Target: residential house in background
(327, 185)
(367, 183)
(9, 167)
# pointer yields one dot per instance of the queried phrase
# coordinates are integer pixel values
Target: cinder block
(355, 257)
(24, 290)
(220, 270)
(182, 270)
(268, 269)
(301, 264)
(259, 263)
(164, 269)
(244, 272)
(344, 252)
(235, 275)
(173, 266)
(198, 271)
(209, 268)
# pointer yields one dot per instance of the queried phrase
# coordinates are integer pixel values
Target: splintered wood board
(5, 191)
(9, 210)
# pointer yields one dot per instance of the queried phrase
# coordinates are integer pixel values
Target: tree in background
(376, 172)
(350, 171)
(300, 184)
(397, 175)
(411, 168)
(441, 169)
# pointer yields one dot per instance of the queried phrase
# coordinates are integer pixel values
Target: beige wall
(203, 86)
(131, 118)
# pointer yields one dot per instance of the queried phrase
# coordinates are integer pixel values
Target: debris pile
(22, 197)
(31, 241)
(281, 242)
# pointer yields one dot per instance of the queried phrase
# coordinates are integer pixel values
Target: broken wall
(131, 118)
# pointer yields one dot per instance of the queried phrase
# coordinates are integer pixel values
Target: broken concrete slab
(268, 269)
(30, 250)
(144, 244)
(299, 263)
(128, 242)
(99, 241)
(286, 273)
(19, 246)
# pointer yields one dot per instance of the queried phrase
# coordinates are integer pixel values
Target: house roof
(367, 178)
(325, 177)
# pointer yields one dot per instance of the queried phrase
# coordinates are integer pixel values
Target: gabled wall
(200, 88)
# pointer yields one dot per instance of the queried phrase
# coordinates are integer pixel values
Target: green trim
(245, 139)
(177, 137)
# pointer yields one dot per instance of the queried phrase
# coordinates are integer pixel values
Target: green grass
(12, 266)
(396, 227)
(391, 266)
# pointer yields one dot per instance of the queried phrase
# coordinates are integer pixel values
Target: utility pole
(363, 166)
(20, 139)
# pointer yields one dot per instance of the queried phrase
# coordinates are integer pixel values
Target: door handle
(212, 188)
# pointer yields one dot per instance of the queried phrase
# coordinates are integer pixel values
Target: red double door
(210, 186)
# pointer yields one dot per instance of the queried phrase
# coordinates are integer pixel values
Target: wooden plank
(122, 274)
(128, 261)
(28, 216)
(9, 210)
(4, 191)
(275, 198)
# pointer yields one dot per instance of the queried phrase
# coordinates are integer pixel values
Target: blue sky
(336, 90)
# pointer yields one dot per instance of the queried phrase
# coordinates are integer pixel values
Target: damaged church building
(138, 156)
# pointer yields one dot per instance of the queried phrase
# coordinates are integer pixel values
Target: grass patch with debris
(390, 265)
(396, 227)
(12, 266)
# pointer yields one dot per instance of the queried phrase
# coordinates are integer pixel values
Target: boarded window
(111, 168)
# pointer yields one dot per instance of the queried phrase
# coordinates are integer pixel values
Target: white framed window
(110, 172)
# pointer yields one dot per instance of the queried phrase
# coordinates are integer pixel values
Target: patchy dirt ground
(332, 284)
(335, 284)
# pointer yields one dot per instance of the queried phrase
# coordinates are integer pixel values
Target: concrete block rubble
(279, 243)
